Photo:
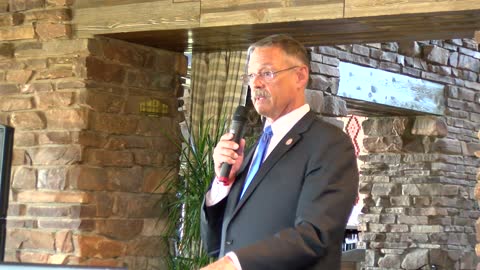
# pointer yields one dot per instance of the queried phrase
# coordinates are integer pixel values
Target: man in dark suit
(292, 212)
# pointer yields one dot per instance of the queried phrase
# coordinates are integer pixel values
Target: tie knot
(268, 131)
(267, 134)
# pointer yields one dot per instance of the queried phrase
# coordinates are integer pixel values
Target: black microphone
(236, 128)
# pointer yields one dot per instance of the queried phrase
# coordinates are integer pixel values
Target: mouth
(260, 95)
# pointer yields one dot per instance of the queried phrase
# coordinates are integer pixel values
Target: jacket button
(229, 242)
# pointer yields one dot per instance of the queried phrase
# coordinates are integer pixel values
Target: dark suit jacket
(294, 212)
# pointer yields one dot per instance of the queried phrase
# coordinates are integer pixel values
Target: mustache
(260, 93)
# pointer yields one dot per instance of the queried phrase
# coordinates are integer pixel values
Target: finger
(226, 137)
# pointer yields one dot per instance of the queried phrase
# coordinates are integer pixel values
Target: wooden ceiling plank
(158, 15)
(366, 8)
(331, 10)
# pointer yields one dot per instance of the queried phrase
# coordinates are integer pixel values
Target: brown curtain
(216, 87)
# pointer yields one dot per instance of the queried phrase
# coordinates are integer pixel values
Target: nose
(257, 82)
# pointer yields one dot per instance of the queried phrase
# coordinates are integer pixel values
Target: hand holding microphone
(228, 154)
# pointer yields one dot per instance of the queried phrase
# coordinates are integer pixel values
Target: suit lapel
(287, 142)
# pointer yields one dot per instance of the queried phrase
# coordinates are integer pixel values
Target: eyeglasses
(266, 76)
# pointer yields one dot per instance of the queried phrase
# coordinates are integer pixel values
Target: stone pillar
(93, 120)
(418, 207)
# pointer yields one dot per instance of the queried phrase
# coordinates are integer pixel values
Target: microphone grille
(240, 114)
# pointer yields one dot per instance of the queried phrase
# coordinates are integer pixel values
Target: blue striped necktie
(259, 157)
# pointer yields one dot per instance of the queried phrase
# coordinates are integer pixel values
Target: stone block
(115, 123)
(163, 126)
(390, 261)
(383, 144)
(87, 178)
(361, 50)
(437, 78)
(319, 82)
(400, 200)
(390, 46)
(53, 197)
(30, 239)
(56, 155)
(125, 179)
(105, 102)
(435, 54)
(314, 98)
(147, 246)
(317, 68)
(156, 179)
(447, 146)
(385, 189)
(154, 227)
(331, 61)
(469, 63)
(48, 31)
(55, 73)
(64, 241)
(120, 229)
(58, 137)
(328, 50)
(411, 71)
(381, 126)
(414, 220)
(24, 178)
(23, 139)
(57, 3)
(19, 76)
(415, 259)
(145, 206)
(472, 85)
(28, 120)
(126, 53)
(6, 51)
(15, 104)
(52, 178)
(17, 33)
(98, 246)
(109, 158)
(67, 119)
(19, 5)
(11, 19)
(390, 67)
(100, 71)
(37, 87)
(409, 48)
(430, 126)
(334, 106)
(49, 211)
(50, 15)
(49, 100)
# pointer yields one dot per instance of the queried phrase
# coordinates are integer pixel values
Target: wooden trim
(158, 15)
(366, 8)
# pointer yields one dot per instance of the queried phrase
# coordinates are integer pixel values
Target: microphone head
(240, 114)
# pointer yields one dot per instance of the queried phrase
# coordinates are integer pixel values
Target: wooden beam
(223, 13)
(366, 8)
(157, 15)
(105, 3)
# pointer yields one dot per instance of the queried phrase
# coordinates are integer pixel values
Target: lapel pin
(289, 141)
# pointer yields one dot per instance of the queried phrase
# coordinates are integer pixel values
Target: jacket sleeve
(211, 219)
(325, 202)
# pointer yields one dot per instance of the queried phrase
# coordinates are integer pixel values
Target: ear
(302, 76)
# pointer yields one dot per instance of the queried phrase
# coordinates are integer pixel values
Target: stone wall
(419, 174)
(92, 119)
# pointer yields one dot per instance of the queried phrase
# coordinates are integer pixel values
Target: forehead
(267, 57)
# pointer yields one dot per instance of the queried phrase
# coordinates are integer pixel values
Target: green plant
(196, 173)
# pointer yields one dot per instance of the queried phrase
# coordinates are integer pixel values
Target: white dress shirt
(280, 128)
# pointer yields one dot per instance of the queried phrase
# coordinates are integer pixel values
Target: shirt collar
(282, 125)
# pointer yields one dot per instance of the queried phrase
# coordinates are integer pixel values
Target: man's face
(282, 94)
